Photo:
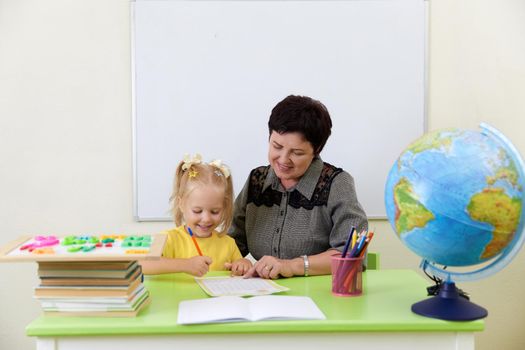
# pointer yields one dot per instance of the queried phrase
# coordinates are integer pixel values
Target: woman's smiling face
(289, 155)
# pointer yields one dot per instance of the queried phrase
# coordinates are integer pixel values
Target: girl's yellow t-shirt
(220, 248)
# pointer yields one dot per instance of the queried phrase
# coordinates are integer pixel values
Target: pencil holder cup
(347, 276)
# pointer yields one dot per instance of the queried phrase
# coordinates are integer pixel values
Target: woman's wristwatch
(306, 265)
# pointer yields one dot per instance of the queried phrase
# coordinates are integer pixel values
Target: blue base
(449, 305)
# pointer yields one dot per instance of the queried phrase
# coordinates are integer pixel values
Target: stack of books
(91, 288)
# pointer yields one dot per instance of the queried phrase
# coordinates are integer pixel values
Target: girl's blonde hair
(193, 173)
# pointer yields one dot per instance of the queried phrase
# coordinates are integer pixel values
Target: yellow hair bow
(189, 161)
(223, 168)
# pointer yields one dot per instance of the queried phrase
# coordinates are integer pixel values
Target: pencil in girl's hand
(194, 241)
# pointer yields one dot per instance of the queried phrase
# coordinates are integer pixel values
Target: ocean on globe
(455, 197)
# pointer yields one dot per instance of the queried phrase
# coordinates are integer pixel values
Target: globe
(455, 198)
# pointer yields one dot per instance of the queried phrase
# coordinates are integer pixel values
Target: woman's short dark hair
(305, 115)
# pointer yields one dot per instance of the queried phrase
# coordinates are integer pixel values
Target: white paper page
(228, 286)
(284, 307)
(95, 304)
(211, 310)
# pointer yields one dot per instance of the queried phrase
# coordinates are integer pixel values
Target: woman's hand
(198, 265)
(271, 267)
(239, 267)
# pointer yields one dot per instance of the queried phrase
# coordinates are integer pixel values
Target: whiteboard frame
(135, 180)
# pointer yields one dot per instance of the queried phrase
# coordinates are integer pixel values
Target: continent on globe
(432, 141)
(508, 173)
(498, 209)
(410, 213)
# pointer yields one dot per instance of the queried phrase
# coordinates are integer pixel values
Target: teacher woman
(293, 214)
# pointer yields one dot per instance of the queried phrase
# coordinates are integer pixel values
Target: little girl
(202, 205)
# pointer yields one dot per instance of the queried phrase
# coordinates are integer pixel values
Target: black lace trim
(272, 197)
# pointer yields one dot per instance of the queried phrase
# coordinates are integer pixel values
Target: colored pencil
(347, 244)
(194, 241)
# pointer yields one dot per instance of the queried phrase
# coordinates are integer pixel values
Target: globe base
(449, 305)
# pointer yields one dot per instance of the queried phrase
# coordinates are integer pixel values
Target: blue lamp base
(449, 305)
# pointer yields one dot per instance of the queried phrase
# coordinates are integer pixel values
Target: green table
(379, 319)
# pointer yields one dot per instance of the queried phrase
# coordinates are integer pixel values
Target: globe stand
(449, 305)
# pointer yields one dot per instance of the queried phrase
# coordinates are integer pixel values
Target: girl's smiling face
(202, 209)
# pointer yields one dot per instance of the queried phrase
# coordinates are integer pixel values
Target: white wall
(65, 133)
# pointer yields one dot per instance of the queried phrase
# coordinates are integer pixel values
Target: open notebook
(219, 286)
(238, 309)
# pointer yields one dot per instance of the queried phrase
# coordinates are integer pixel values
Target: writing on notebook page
(238, 286)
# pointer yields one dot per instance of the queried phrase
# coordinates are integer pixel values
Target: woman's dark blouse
(310, 218)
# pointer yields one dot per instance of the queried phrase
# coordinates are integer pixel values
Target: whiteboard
(206, 75)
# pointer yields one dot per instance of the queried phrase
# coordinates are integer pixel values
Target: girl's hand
(198, 265)
(270, 267)
(239, 267)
